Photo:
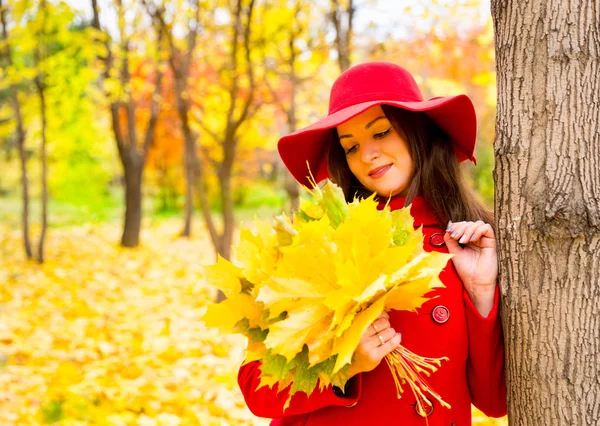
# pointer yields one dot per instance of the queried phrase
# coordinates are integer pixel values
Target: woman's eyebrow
(369, 124)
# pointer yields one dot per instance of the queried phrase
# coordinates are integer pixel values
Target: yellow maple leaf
(257, 252)
(311, 247)
(287, 337)
(228, 313)
(225, 276)
(409, 295)
(347, 343)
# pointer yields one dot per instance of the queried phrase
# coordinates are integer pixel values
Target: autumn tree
(342, 18)
(167, 151)
(180, 62)
(286, 36)
(548, 207)
(238, 88)
(7, 63)
(40, 54)
(35, 39)
(133, 148)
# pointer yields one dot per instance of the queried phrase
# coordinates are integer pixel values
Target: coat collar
(419, 210)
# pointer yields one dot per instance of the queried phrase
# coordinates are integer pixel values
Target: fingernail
(463, 239)
(454, 234)
(449, 227)
(472, 237)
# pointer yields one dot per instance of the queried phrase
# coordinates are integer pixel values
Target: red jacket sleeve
(269, 402)
(485, 365)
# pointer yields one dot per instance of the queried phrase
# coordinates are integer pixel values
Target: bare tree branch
(154, 103)
(250, 69)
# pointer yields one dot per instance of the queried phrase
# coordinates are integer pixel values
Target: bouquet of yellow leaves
(306, 290)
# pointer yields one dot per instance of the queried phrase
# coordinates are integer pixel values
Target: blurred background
(135, 137)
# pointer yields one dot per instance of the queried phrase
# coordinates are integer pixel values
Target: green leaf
(334, 203)
(257, 334)
(275, 365)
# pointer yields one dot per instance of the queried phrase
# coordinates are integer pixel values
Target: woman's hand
(376, 342)
(476, 261)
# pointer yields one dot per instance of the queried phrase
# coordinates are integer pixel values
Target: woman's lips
(379, 171)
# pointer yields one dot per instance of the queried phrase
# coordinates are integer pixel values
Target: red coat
(473, 374)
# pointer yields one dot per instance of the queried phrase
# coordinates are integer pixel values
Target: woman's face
(376, 154)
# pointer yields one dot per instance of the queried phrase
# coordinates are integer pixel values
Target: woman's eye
(382, 134)
(351, 149)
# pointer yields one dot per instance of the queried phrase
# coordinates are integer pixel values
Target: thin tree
(40, 86)
(133, 149)
(16, 105)
(180, 61)
(548, 207)
(285, 69)
(241, 108)
(342, 19)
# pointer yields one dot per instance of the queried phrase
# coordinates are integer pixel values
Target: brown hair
(438, 176)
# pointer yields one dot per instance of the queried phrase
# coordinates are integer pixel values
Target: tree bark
(291, 186)
(230, 140)
(44, 160)
(548, 207)
(343, 33)
(236, 115)
(227, 202)
(180, 63)
(293, 32)
(40, 86)
(133, 151)
(14, 99)
(133, 205)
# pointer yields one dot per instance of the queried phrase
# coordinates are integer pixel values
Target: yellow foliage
(101, 335)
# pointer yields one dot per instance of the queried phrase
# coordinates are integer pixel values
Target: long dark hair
(438, 176)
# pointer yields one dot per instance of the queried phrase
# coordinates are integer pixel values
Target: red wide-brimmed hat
(360, 88)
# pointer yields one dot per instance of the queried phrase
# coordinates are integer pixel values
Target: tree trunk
(227, 197)
(180, 62)
(133, 205)
(14, 99)
(293, 191)
(190, 161)
(190, 179)
(24, 187)
(548, 207)
(133, 152)
(343, 33)
(291, 186)
(40, 87)
(44, 160)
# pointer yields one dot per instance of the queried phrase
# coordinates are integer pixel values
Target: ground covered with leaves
(103, 335)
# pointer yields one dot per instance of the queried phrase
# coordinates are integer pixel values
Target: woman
(381, 136)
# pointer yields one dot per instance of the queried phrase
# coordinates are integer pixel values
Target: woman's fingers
(377, 326)
(389, 345)
(465, 232)
(485, 235)
(469, 229)
(380, 338)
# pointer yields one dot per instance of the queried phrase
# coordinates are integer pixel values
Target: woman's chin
(390, 192)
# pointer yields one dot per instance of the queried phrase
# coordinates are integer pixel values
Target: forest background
(135, 137)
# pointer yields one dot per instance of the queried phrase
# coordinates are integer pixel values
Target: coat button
(428, 409)
(437, 240)
(440, 314)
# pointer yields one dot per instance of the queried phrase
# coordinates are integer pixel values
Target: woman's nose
(370, 152)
